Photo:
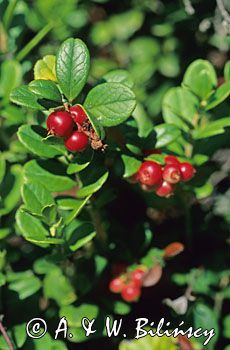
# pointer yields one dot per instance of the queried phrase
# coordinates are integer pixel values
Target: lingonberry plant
(91, 181)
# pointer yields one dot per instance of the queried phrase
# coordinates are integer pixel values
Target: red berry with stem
(116, 285)
(171, 173)
(137, 276)
(172, 160)
(131, 292)
(60, 124)
(150, 173)
(165, 189)
(187, 171)
(76, 142)
(78, 114)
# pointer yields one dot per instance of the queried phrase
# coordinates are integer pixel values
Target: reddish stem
(6, 337)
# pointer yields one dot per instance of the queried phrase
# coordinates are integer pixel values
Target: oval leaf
(72, 68)
(110, 103)
(45, 68)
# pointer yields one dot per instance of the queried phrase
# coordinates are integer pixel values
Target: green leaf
(159, 158)
(119, 76)
(24, 283)
(80, 161)
(46, 342)
(227, 327)
(110, 103)
(45, 68)
(144, 123)
(227, 71)
(57, 287)
(93, 179)
(36, 197)
(72, 68)
(22, 96)
(81, 235)
(30, 227)
(76, 204)
(2, 168)
(54, 183)
(18, 334)
(180, 107)
(74, 315)
(200, 78)
(205, 318)
(11, 76)
(32, 137)
(166, 134)
(131, 165)
(46, 89)
(212, 128)
(10, 189)
(218, 96)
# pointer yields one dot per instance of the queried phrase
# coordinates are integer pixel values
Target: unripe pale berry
(78, 114)
(172, 173)
(131, 292)
(165, 189)
(150, 173)
(172, 160)
(187, 171)
(76, 142)
(60, 124)
(116, 285)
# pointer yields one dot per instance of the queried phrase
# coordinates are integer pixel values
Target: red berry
(78, 114)
(150, 173)
(77, 142)
(131, 292)
(165, 189)
(137, 276)
(60, 124)
(116, 285)
(187, 171)
(172, 160)
(172, 173)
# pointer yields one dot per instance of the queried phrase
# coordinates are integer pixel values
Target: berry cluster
(70, 125)
(163, 179)
(129, 284)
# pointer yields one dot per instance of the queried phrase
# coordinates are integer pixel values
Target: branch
(223, 11)
(6, 337)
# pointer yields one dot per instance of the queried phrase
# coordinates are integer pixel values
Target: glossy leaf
(10, 189)
(72, 68)
(24, 283)
(131, 165)
(82, 234)
(22, 96)
(50, 180)
(32, 137)
(212, 128)
(36, 197)
(110, 103)
(180, 107)
(46, 89)
(200, 78)
(166, 134)
(219, 96)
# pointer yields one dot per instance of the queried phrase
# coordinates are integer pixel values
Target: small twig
(223, 11)
(6, 337)
(188, 7)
